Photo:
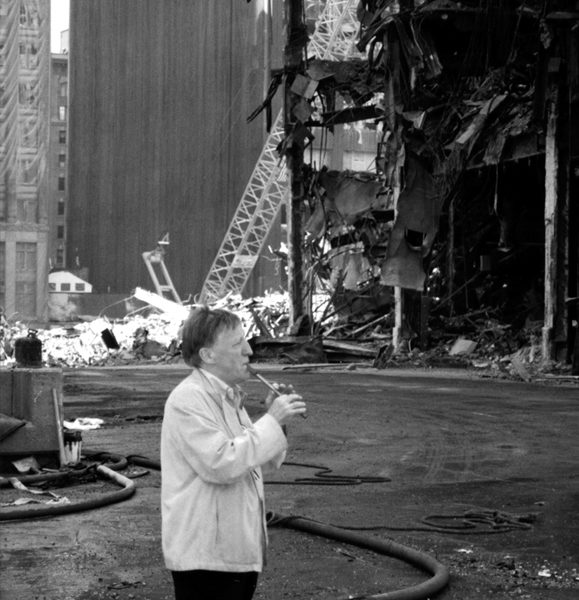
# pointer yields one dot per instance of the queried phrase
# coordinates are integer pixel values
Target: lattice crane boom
(264, 194)
(268, 188)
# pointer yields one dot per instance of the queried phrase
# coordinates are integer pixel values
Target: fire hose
(439, 573)
(106, 471)
(469, 522)
(425, 562)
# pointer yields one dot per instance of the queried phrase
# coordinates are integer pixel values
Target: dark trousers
(214, 585)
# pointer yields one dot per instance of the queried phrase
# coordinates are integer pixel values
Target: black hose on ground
(116, 462)
(322, 476)
(425, 562)
(42, 477)
(62, 509)
(325, 476)
(143, 461)
(437, 582)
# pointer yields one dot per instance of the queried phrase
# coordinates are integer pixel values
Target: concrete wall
(158, 139)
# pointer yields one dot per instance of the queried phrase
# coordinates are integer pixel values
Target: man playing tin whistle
(212, 498)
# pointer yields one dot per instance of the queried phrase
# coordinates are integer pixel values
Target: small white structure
(65, 281)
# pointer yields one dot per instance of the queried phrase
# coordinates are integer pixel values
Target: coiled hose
(107, 471)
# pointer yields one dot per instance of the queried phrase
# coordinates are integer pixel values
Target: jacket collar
(233, 395)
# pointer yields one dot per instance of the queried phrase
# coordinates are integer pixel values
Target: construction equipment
(268, 188)
(156, 258)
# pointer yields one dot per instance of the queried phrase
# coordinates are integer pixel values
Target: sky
(58, 22)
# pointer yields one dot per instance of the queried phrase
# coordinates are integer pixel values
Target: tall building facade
(159, 94)
(24, 133)
(58, 161)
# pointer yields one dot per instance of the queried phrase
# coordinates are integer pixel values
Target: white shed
(65, 281)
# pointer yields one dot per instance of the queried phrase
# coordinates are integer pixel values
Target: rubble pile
(139, 337)
(266, 315)
(483, 344)
(154, 336)
(480, 341)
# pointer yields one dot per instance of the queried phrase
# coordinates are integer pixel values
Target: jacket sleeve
(276, 462)
(214, 453)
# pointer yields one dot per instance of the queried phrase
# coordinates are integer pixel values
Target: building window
(63, 88)
(62, 136)
(60, 232)
(62, 113)
(60, 207)
(25, 284)
(26, 257)
(27, 173)
(23, 15)
(26, 297)
(65, 287)
(60, 257)
(62, 160)
(61, 184)
(26, 210)
(79, 287)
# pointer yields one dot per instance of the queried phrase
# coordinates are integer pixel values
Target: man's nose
(247, 349)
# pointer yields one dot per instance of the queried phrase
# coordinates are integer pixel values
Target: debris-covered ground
(476, 341)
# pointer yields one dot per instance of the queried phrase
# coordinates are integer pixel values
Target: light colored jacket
(212, 500)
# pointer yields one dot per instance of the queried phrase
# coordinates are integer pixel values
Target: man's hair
(200, 330)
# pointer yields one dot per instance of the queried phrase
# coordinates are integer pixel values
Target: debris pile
(155, 336)
(478, 341)
(483, 343)
(101, 342)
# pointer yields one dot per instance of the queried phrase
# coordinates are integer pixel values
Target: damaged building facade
(466, 213)
(472, 209)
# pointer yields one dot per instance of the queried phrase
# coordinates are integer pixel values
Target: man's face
(228, 357)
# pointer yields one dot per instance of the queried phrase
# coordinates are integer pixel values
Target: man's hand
(282, 389)
(285, 407)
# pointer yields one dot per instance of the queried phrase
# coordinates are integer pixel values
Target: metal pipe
(268, 384)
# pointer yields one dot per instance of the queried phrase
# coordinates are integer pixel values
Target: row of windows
(66, 287)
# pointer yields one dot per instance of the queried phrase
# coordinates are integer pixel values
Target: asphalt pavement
(479, 473)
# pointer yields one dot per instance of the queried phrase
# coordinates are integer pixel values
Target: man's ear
(206, 355)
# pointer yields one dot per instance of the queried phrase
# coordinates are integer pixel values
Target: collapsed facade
(472, 208)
